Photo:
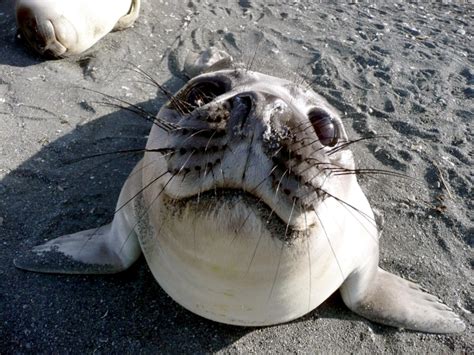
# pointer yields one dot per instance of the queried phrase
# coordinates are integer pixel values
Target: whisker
(305, 124)
(125, 151)
(134, 109)
(276, 192)
(369, 218)
(147, 115)
(100, 227)
(372, 222)
(154, 199)
(141, 190)
(276, 272)
(371, 172)
(308, 250)
(252, 60)
(209, 141)
(176, 102)
(195, 133)
(139, 219)
(348, 143)
(330, 244)
(152, 182)
(252, 191)
(254, 253)
(279, 182)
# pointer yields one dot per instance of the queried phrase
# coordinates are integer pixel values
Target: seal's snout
(59, 28)
(241, 131)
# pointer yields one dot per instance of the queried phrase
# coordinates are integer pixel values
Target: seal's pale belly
(219, 260)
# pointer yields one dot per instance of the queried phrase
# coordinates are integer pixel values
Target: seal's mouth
(245, 204)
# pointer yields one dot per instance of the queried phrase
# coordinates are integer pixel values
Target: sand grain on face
(403, 71)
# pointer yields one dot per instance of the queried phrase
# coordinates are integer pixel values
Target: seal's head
(267, 139)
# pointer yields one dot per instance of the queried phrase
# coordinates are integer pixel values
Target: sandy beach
(403, 72)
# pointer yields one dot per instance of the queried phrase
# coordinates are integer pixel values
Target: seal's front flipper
(391, 300)
(94, 251)
(105, 250)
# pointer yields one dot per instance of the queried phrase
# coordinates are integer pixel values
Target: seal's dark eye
(324, 127)
(204, 92)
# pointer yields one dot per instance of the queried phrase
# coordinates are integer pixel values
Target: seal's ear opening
(210, 60)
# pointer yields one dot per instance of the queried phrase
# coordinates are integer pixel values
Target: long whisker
(258, 201)
(100, 227)
(139, 219)
(155, 198)
(277, 271)
(369, 218)
(337, 170)
(125, 151)
(367, 171)
(147, 115)
(347, 144)
(133, 109)
(308, 251)
(252, 60)
(254, 252)
(372, 222)
(175, 101)
(276, 192)
(330, 244)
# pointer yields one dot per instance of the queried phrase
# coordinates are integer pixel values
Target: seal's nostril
(241, 107)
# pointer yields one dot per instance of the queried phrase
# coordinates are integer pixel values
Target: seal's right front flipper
(88, 252)
(391, 300)
(105, 250)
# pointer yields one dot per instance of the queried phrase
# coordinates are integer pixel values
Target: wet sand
(403, 72)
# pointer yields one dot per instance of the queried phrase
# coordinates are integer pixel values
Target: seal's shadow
(51, 194)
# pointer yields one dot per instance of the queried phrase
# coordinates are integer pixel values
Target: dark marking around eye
(203, 93)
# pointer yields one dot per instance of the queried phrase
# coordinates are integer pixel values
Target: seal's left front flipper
(391, 300)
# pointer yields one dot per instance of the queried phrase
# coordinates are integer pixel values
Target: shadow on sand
(52, 194)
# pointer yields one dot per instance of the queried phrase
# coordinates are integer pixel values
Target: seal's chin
(237, 212)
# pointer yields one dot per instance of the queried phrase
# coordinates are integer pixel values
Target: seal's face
(276, 144)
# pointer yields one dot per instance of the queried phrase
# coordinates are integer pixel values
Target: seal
(59, 28)
(247, 208)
